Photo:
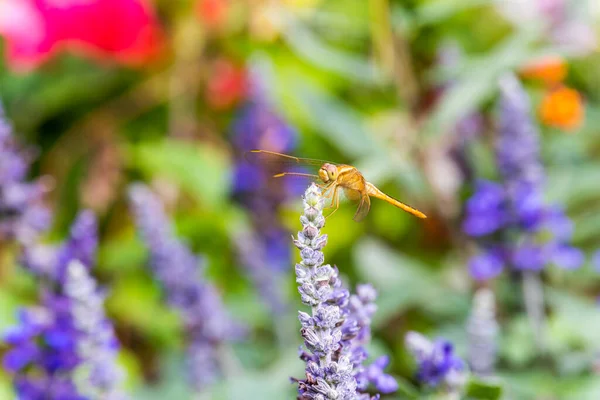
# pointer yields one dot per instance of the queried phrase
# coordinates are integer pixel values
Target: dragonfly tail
(374, 192)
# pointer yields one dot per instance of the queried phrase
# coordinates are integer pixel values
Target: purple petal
(487, 265)
(529, 257)
(567, 257)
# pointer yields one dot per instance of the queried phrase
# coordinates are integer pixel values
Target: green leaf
(311, 48)
(122, 253)
(402, 282)
(337, 122)
(573, 185)
(518, 345)
(434, 12)
(485, 390)
(139, 302)
(538, 384)
(576, 312)
(200, 169)
(270, 384)
(173, 385)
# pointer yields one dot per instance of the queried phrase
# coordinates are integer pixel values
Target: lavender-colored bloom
(486, 210)
(517, 143)
(51, 261)
(437, 363)
(356, 329)
(487, 264)
(375, 374)
(177, 269)
(338, 325)
(69, 334)
(482, 331)
(514, 224)
(22, 216)
(97, 345)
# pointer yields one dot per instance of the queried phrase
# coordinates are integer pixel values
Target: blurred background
(425, 97)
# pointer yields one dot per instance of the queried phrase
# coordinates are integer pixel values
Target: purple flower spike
(66, 349)
(97, 346)
(339, 325)
(486, 211)
(51, 261)
(383, 382)
(515, 226)
(22, 216)
(264, 249)
(178, 270)
(437, 363)
(517, 146)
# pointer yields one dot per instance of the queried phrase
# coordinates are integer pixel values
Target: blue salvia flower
(22, 215)
(177, 269)
(42, 353)
(333, 361)
(482, 332)
(265, 251)
(512, 221)
(51, 344)
(436, 362)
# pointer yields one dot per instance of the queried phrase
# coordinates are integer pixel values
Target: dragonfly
(333, 179)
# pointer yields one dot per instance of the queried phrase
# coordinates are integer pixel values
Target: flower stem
(533, 295)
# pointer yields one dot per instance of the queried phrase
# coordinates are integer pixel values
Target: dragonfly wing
(363, 207)
(266, 157)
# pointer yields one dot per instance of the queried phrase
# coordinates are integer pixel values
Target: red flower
(227, 85)
(122, 30)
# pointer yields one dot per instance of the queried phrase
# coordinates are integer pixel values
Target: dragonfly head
(328, 173)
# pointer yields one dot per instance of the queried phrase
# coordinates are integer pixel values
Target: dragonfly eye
(323, 175)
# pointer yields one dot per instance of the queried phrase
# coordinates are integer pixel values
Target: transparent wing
(363, 207)
(266, 157)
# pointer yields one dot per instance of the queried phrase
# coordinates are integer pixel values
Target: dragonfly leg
(331, 192)
(325, 186)
(327, 191)
(335, 199)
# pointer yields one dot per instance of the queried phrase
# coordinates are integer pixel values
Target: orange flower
(212, 12)
(562, 108)
(551, 69)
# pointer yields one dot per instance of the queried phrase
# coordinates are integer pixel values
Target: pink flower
(125, 31)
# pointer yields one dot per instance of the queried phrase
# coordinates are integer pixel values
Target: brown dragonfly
(333, 177)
